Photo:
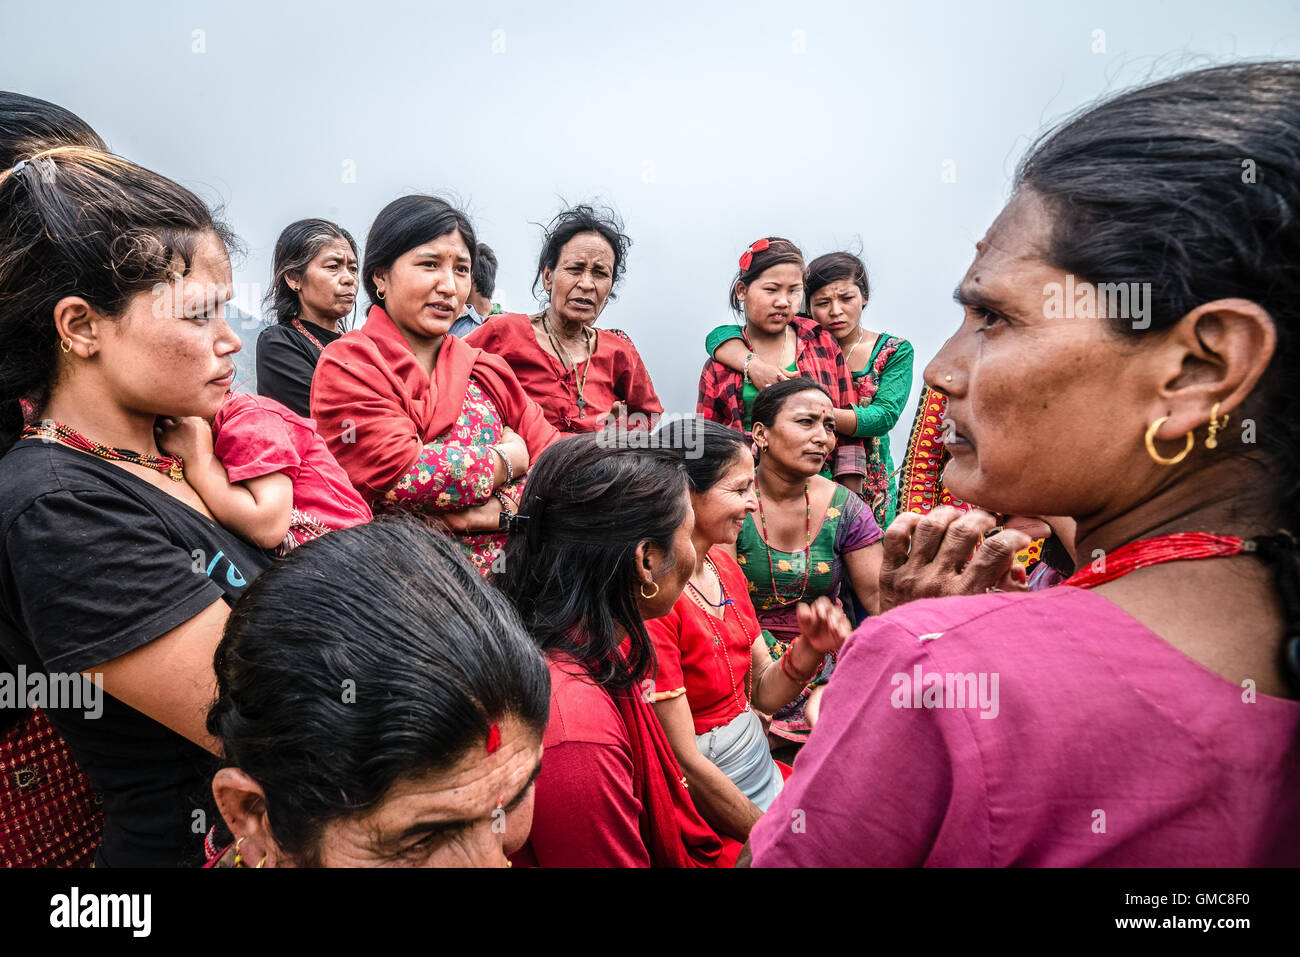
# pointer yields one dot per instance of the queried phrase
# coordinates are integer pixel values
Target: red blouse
(610, 793)
(615, 373)
(688, 657)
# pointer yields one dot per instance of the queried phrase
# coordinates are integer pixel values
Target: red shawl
(376, 408)
(673, 831)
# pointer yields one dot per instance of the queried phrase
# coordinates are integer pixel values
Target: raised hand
(930, 556)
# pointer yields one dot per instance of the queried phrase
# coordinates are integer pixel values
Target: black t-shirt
(96, 562)
(286, 361)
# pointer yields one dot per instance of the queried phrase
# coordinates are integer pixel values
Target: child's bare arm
(259, 509)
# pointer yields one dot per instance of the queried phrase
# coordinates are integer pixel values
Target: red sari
(615, 373)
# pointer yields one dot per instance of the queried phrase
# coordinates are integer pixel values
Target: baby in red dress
(264, 472)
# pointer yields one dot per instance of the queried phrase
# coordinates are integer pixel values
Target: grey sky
(706, 124)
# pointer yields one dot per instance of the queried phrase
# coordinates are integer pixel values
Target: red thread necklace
(1176, 547)
(807, 548)
(170, 465)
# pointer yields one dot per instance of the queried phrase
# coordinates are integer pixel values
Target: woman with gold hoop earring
(1158, 685)
(601, 545)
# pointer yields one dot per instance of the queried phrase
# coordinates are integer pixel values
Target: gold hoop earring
(239, 858)
(380, 294)
(66, 345)
(1215, 425)
(1151, 444)
(652, 594)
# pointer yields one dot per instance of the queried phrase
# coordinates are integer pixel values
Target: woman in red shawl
(583, 377)
(418, 419)
(603, 543)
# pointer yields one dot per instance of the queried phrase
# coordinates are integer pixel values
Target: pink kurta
(1099, 744)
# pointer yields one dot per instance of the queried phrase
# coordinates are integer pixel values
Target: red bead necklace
(720, 648)
(170, 465)
(807, 548)
(1177, 547)
(310, 338)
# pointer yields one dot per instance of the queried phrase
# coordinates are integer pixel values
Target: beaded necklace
(720, 648)
(170, 465)
(807, 548)
(1177, 547)
(310, 338)
(580, 401)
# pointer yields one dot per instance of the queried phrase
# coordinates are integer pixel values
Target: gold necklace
(580, 401)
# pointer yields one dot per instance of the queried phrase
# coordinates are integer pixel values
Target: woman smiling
(713, 671)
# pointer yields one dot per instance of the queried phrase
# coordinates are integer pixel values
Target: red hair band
(747, 257)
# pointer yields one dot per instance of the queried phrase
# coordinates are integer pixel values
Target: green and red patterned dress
(776, 586)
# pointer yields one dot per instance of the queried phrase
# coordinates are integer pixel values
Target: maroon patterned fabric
(49, 816)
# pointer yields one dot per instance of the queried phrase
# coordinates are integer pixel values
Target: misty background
(891, 130)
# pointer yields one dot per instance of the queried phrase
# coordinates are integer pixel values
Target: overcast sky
(890, 129)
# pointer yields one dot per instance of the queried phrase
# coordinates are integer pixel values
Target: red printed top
(689, 659)
(615, 373)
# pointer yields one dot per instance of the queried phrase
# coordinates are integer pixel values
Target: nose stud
(947, 378)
